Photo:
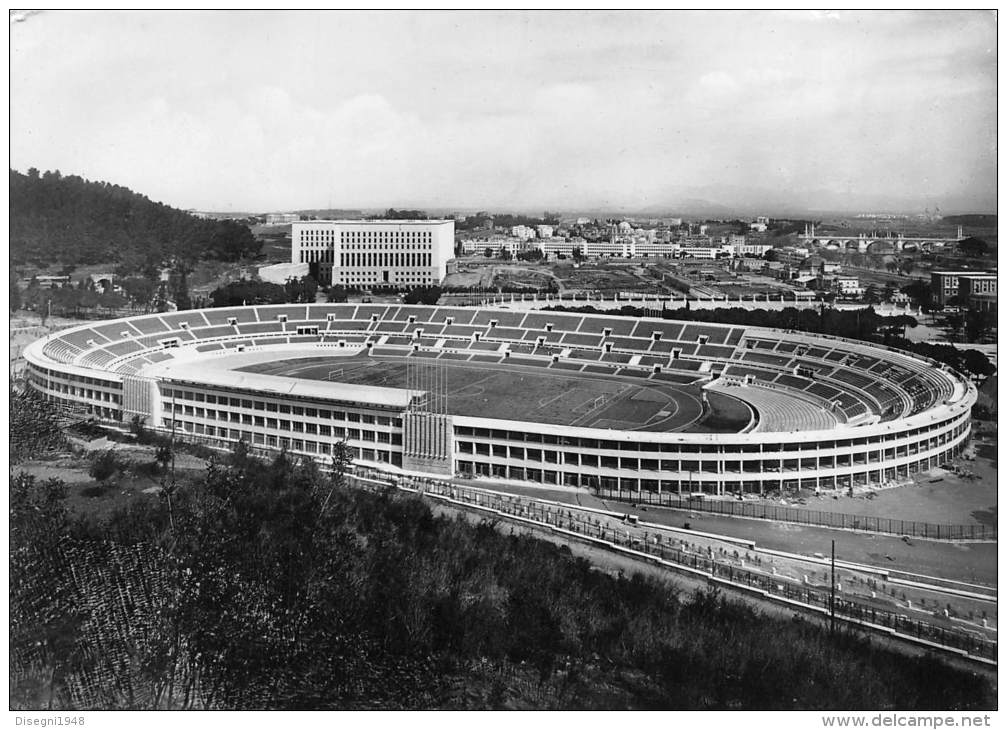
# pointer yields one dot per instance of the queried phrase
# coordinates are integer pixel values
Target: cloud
(532, 109)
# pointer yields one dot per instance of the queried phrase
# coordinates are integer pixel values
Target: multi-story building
(281, 219)
(523, 232)
(645, 247)
(848, 286)
(946, 285)
(704, 251)
(544, 231)
(589, 249)
(363, 253)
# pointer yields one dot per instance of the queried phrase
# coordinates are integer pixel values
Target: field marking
(674, 393)
(601, 407)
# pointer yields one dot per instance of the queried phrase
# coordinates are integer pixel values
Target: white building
(848, 286)
(544, 231)
(523, 232)
(365, 253)
(708, 251)
(748, 249)
(279, 219)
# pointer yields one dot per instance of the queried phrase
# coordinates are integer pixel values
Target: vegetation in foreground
(275, 586)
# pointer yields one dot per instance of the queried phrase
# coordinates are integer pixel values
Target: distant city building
(544, 231)
(848, 286)
(978, 291)
(582, 221)
(363, 253)
(523, 232)
(645, 247)
(48, 281)
(944, 285)
(279, 219)
(706, 251)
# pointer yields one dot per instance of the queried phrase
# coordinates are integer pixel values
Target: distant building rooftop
(380, 221)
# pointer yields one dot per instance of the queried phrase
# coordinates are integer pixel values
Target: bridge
(873, 243)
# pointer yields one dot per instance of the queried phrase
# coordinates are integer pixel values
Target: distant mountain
(332, 213)
(973, 220)
(70, 220)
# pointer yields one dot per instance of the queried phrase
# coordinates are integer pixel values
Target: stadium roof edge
(282, 385)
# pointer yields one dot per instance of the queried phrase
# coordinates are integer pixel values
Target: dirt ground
(86, 496)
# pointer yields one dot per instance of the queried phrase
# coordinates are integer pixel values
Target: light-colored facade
(544, 231)
(945, 285)
(901, 415)
(371, 253)
(523, 232)
(278, 219)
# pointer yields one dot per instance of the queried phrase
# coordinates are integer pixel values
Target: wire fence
(937, 629)
(818, 518)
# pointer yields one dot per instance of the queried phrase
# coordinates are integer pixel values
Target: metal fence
(818, 518)
(679, 553)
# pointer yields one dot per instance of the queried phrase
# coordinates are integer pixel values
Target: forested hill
(70, 220)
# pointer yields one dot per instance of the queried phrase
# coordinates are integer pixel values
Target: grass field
(519, 393)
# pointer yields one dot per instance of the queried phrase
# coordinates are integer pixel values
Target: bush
(105, 465)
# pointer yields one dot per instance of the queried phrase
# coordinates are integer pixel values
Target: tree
(336, 294)
(978, 324)
(303, 290)
(15, 292)
(488, 252)
(973, 247)
(140, 290)
(871, 294)
(505, 254)
(178, 283)
(920, 292)
(955, 322)
(423, 295)
(977, 364)
(578, 254)
(163, 455)
(245, 291)
(104, 466)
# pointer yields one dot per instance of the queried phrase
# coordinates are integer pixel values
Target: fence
(677, 552)
(817, 518)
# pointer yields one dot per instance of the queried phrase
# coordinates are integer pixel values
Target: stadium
(543, 398)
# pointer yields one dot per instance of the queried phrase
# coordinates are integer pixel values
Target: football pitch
(518, 393)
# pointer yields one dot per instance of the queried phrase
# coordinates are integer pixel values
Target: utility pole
(832, 599)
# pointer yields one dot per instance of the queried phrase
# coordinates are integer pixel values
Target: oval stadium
(542, 398)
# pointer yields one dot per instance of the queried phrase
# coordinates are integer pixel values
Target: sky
(272, 111)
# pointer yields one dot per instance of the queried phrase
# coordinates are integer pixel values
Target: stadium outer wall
(384, 430)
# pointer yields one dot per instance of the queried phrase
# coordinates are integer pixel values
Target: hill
(973, 220)
(73, 221)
